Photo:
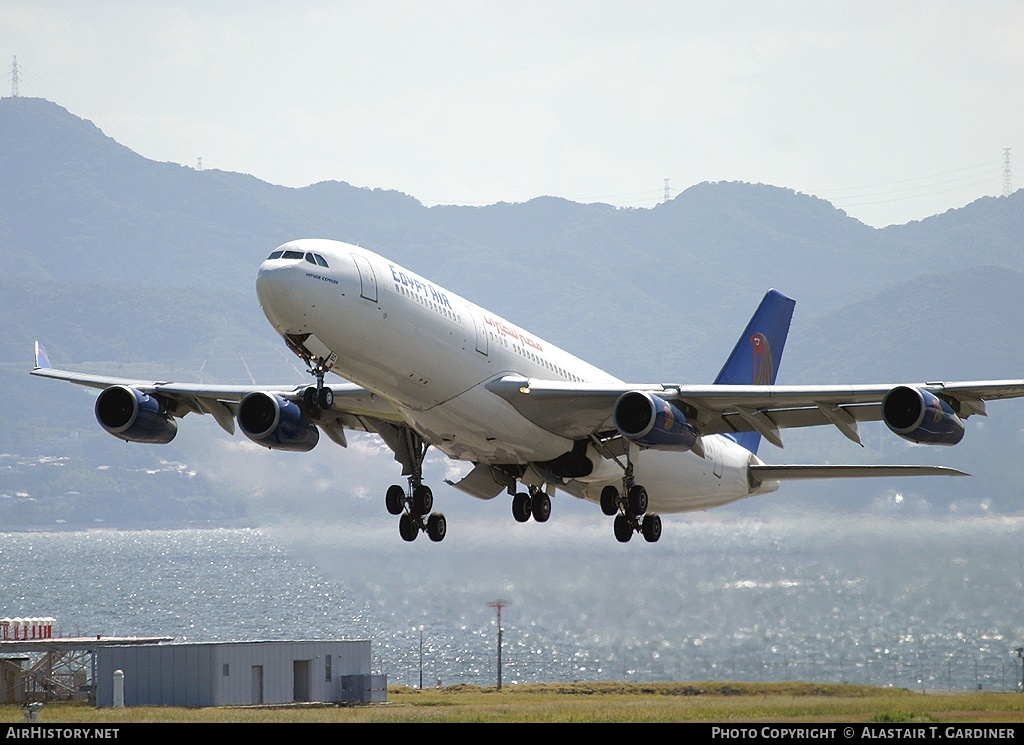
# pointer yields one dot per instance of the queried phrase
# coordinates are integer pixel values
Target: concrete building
(239, 673)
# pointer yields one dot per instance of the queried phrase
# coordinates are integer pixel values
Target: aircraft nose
(268, 281)
(276, 290)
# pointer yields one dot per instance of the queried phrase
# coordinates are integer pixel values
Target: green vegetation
(595, 702)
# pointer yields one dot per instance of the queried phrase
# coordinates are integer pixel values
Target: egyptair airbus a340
(428, 368)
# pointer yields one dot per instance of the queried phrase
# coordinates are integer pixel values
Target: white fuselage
(430, 353)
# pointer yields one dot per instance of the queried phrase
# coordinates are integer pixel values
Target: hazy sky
(892, 111)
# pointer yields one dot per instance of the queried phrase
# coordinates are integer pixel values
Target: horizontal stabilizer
(794, 473)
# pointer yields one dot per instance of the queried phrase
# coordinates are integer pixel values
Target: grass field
(594, 702)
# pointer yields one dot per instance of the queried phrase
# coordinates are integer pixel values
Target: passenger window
(322, 261)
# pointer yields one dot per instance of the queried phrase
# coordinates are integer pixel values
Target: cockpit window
(310, 257)
(322, 261)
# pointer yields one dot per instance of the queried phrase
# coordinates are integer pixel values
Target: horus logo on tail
(764, 366)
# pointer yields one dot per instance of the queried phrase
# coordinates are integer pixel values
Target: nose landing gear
(319, 397)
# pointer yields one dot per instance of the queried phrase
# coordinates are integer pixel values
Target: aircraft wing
(354, 407)
(580, 410)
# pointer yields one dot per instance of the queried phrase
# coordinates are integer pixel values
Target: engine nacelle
(134, 416)
(919, 416)
(276, 423)
(652, 422)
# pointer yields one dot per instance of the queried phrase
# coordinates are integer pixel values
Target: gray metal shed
(239, 673)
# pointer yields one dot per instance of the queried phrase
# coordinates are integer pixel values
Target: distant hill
(124, 264)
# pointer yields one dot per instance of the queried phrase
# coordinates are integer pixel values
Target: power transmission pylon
(14, 77)
(1007, 173)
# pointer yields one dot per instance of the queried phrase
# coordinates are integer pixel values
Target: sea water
(924, 603)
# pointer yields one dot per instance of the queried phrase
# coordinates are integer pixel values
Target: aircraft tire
(610, 501)
(437, 527)
(651, 528)
(326, 399)
(422, 500)
(623, 530)
(521, 507)
(395, 499)
(637, 500)
(541, 507)
(407, 528)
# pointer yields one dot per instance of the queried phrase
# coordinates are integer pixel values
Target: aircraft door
(481, 333)
(367, 279)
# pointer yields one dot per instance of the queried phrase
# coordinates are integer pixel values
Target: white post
(118, 689)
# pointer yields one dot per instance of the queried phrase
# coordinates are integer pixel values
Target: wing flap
(760, 473)
(483, 482)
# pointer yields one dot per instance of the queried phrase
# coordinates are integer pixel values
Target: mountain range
(129, 266)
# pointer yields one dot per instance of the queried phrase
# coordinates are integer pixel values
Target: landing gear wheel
(651, 528)
(395, 499)
(541, 507)
(408, 528)
(437, 526)
(610, 500)
(422, 500)
(521, 507)
(325, 399)
(637, 500)
(623, 529)
(309, 397)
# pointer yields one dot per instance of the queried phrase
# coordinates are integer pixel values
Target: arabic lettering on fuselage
(513, 332)
(415, 284)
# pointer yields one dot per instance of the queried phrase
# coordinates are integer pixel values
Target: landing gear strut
(630, 507)
(415, 503)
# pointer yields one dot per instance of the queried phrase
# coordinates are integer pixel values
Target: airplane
(427, 368)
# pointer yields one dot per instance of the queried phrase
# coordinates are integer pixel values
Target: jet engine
(134, 416)
(919, 416)
(276, 423)
(653, 422)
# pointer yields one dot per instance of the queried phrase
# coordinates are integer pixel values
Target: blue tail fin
(755, 358)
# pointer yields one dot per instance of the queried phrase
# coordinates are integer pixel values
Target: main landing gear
(415, 503)
(630, 509)
(535, 504)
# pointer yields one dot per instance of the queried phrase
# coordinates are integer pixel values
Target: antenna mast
(498, 605)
